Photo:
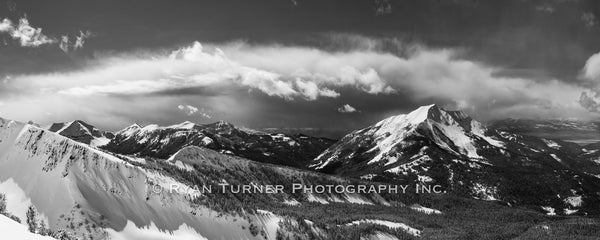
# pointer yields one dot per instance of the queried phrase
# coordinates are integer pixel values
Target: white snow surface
(379, 236)
(556, 158)
(550, 211)
(183, 125)
(574, 201)
(570, 211)
(132, 232)
(425, 210)
(98, 142)
(16, 231)
(357, 199)
(478, 129)
(312, 198)
(551, 143)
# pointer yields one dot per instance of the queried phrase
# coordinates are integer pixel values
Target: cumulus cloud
(191, 110)
(188, 109)
(27, 35)
(591, 70)
(590, 99)
(311, 91)
(68, 43)
(80, 40)
(346, 108)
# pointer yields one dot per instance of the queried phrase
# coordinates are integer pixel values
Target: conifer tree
(32, 222)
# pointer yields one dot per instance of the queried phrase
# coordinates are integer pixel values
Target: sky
(323, 64)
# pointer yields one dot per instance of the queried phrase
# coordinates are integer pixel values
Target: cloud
(311, 91)
(66, 44)
(238, 79)
(191, 110)
(80, 40)
(590, 99)
(545, 7)
(383, 7)
(591, 70)
(346, 109)
(194, 66)
(589, 19)
(11, 6)
(188, 109)
(27, 35)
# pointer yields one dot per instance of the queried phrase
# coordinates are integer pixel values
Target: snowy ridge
(62, 178)
(15, 230)
(163, 142)
(453, 131)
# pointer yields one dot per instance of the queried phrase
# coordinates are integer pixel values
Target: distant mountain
(567, 130)
(162, 142)
(435, 146)
(315, 132)
(82, 132)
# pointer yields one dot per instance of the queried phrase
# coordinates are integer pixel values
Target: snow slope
(71, 183)
(14, 230)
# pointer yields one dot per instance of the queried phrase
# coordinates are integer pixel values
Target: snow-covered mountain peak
(223, 127)
(425, 117)
(453, 131)
(183, 125)
(422, 113)
(431, 113)
(223, 124)
(128, 131)
(81, 131)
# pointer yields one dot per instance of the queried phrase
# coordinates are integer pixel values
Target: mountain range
(432, 145)
(85, 183)
(580, 132)
(162, 142)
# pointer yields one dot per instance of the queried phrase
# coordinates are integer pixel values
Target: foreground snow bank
(14, 230)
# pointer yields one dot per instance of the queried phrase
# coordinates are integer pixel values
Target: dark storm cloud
(293, 64)
(513, 34)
